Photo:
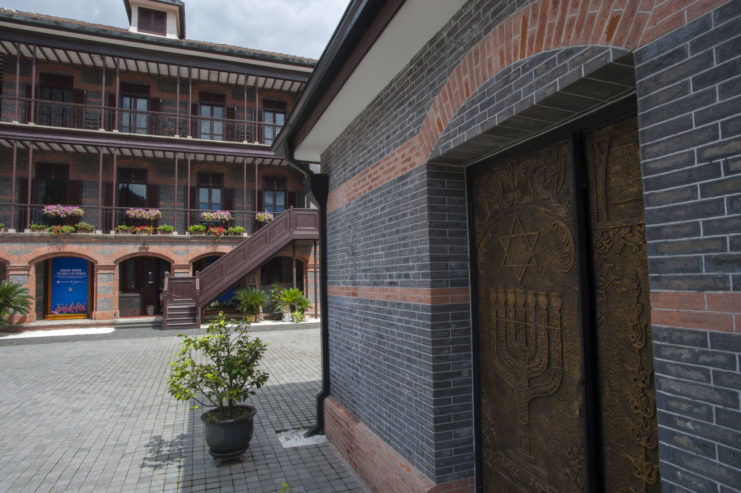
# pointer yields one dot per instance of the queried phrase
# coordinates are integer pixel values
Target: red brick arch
(541, 26)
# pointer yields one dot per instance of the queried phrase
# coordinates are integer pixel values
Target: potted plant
(83, 227)
(61, 229)
(264, 217)
(2, 226)
(217, 231)
(144, 214)
(14, 299)
(235, 230)
(295, 302)
(250, 301)
(38, 227)
(219, 369)
(165, 229)
(216, 216)
(197, 229)
(142, 230)
(123, 229)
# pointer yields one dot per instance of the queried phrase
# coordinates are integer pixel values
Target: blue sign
(69, 286)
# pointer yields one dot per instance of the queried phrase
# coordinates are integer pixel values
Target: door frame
(574, 131)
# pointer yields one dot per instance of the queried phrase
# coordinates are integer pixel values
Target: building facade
(532, 250)
(103, 121)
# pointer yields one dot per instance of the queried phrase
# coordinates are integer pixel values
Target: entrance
(567, 399)
(140, 285)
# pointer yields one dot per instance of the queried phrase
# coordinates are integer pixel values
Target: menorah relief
(527, 352)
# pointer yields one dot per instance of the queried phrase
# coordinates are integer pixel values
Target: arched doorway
(140, 282)
(64, 288)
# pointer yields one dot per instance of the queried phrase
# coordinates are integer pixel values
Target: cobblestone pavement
(92, 413)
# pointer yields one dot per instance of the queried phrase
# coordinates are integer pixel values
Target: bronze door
(536, 285)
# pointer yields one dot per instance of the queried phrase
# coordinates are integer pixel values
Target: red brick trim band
(697, 310)
(422, 296)
(377, 463)
(541, 26)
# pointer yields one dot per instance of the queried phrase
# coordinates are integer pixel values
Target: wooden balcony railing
(95, 117)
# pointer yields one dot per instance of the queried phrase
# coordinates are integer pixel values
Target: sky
(294, 27)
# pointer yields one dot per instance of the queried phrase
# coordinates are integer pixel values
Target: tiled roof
(74, 24)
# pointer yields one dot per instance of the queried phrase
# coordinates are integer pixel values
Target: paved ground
(92, 413)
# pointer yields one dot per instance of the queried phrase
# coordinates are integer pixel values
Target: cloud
(295, 27)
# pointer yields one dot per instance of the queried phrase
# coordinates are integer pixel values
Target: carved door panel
(532, 344)
(622, 316)
(530, 347)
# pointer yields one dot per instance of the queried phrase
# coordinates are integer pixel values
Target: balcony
(127, 121)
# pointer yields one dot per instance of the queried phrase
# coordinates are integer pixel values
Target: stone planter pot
(228, 438)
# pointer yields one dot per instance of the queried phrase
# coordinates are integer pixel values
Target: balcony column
(177, 109)
(102, 94)
(17, 78)
(100, 188)
(175, 196)
(244, 191)
(115, 111)
(28, 185)
(105, 287)
(257, 118)
(187, 197)
(190, 105)
(33, 86)
(244, 138)
(257, 193)
(316, 288)
(12, 185)
(113, 191)
(293, 259)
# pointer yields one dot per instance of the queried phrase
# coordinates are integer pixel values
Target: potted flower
(68, 214)
(197, 229)
(123, 229)
(264, 217)
(61, 229)
(219, 369)
(142, 230)
(83, 227)
(165, 229)
(216, 216)
(149, 215)
(217, 231)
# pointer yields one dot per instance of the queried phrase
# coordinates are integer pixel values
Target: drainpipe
(319, 185)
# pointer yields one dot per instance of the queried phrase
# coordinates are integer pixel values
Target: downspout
(318, 184)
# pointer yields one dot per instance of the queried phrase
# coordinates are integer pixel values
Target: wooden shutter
(110, 112)
(107, 203)
(27, 105)
(153, 195)
(22, 201)
(194, 217)
(74, 192)
(228, 199)
(291, 198)
(78, 111)
(231, 124)
(155, 105)
(194, 120)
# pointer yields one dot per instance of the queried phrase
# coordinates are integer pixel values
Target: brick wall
(497, 74)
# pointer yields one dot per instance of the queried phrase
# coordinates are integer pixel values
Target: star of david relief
(519, 249)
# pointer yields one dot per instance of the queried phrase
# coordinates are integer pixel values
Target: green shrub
(236, 230)
(250, 300)
(165, 228)
(83, 227)
(197, 228)
(38, 227)
(14, 298)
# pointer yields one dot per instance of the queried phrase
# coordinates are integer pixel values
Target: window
(50, 183)
(132, 190)
(134, 104)
(210, 191)
(274, 117)
(152, 21)
(211, 114)
(274, 193)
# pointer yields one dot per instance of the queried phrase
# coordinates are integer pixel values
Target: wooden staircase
(184, 297)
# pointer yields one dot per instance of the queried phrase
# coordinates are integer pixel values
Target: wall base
(382, 468)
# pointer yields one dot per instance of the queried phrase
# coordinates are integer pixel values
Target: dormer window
(152, 21)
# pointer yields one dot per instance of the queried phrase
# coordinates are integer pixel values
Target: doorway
(565, 367)
(140, 282)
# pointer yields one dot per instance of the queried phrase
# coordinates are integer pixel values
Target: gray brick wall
(698, 384)
(689, 113)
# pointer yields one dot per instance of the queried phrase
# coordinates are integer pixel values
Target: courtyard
(92, 413)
